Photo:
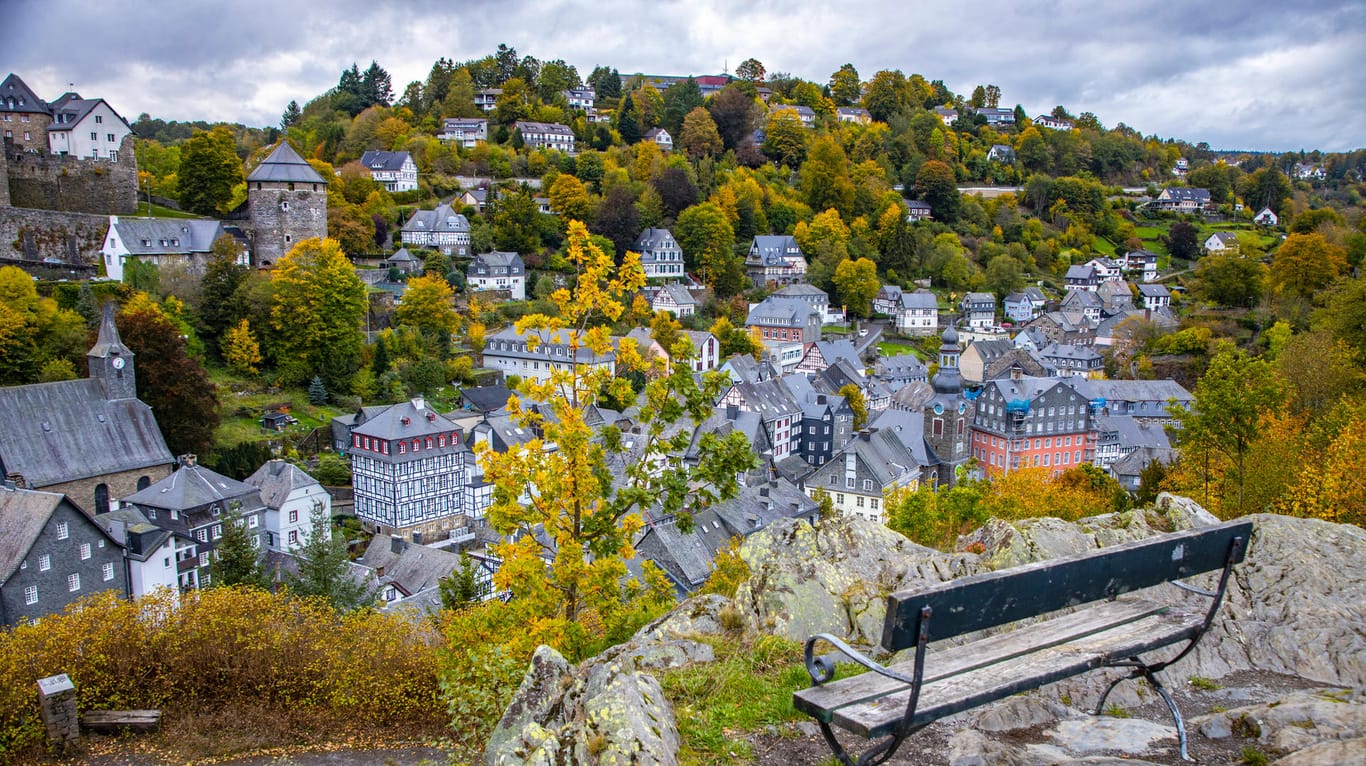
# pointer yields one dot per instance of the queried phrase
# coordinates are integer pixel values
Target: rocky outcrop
(1295, 722)
(609, 710)
(834, 577)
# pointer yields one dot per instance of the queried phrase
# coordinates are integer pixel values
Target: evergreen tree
(376, 86)
(324, 569)
(290, 116)
(236, 557)
(460, 588)
(627, 124)
(317, 391)
(87, 306)
(380, 364)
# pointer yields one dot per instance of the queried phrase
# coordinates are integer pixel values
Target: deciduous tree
(318, 304)
(936, 185)
(708, 241)
(700, 137)
(209, 170)
(857, 285)
(845, 87)
(241, 352)
(174, 385)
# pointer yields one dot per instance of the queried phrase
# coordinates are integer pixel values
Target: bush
(218, 647)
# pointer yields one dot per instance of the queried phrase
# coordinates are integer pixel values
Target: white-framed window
(109, 137)
(202, 535)
(94, 136)
(44, 562)
(99, 119)
(108, 571)
(63, 531)
(204, 559)
(217, 531)
(30, 594)
(293, 537)
(85, 551)
(73, 582)
(251, 521)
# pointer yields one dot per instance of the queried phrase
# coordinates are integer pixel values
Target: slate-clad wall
(52, 182)
(53, 594)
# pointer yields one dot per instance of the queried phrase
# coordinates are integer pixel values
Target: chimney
(732, 411)
(417, 538)
(763, 491)
(820, 398)
(419, 403)
(866, 434)
(397, 544)
(188, 459)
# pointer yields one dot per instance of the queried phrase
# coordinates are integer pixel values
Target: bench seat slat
(962, 677)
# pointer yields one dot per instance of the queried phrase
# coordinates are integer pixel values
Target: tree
(241, 352)
(785, 137)
(569, 198)
(680, 99)
(1345, 316)
(236, 557)
(700, 137)
(708, 241)
(1229, 279)
(676, 190)
(318, 304)
(734, 111)
(825, 177)
(751, 69)
(209, 171)
(627, 123)
(1231, 399)
(1265, 187)
(324, 568)
(174, 385)
(1305, 264)
(936, 185)
(857, 284)
(460, 588)
(845, 87)
(887, 95)
(291, 115)
(606, 82)
(567, 505)
(428, 306)
(617, 218)
(317, 391)
(1183, 241)
(854, 396)
(1004, 276)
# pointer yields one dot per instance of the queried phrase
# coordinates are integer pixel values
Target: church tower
(111, 362)
(287, 202)
(948, 414)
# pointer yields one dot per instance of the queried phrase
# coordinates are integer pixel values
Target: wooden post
(57, 698)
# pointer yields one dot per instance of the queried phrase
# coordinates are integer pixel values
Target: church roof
(284, 165)
(58, 432)
(190, 487)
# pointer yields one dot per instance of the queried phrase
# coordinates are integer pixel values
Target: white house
(465, 131)
(291, 497)
(498, 271)
(581, 98)
(87, 128)
(706, 349)
(661, 138)
(917, 210)
(853, 114)
(1154, 296)
(675, 299)
(1183, 199)
(1221, 242)
(507, 351)
(918, 313)
(1265, 218)
(442, 229)
(660, 255)
(1053, 123)
(396, 170)
(149, 551)
(546, 135)
(979, 309)
(160, 241)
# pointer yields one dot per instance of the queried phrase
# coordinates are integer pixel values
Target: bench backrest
(996, 598)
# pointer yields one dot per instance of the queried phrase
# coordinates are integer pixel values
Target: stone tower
(111, 362)
(287, 202)
(948, 414)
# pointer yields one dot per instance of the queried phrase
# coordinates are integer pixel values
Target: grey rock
(1018, 712)
(834, 577)
(1294, 722)
(972, 748)
(1130, 736)
(1351, 752)
(520, 733)
(698, 616)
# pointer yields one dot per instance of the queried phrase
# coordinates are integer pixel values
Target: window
(859, 501)
(293, 516)
(99, 119)
(202, 535)
(840, 498)
(94, 136)
(85, 551)
(63, 531)
(252, 521)
(868, 484)
(293, 537)
(203, 559)
(872, 503)
(30, 594)
(28, 136)
(108, 570)
(73, 582)
(109, 137)
(44, 563)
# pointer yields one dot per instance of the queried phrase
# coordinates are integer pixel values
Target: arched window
(417, 444)
(429, 442)
(101, 498)
(144, 482)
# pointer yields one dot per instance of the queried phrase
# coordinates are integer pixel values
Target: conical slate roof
(284, 165)
(108, 341)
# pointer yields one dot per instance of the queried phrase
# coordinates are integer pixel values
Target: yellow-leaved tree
(569, 503)
(240, 349)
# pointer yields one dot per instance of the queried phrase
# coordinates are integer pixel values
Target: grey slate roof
(680, 295)
(401, 256)
(920, 299)
(1133, 390)
(58, 432)
(780, 312)
(23, 514)
(69, 109)
(284, 165)
(377, 160)
(167, 236)
(802, 290)
(191, 486)
(1153, 290)
(442, 219)
(421, 421)
(486, 398)
(517, 346)
(277, 479)
(771, 249)
(414, 569)
(496, 263)
(17, 97)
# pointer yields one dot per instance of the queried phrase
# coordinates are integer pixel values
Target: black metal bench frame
(1113, 634)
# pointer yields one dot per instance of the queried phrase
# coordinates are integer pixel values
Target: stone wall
(52, 182)
(121, 485)
(4, 174)
(33, 235)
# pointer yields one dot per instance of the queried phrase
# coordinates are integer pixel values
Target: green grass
(157, 211)
(749, 686)
(1103, 246)
(243, 401)
(897, 348)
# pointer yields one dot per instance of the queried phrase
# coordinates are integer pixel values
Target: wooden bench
(119, 721)
(896, 701)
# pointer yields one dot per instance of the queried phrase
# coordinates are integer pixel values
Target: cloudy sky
(1259, 74)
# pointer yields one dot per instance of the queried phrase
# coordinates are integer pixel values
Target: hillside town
(309, 358)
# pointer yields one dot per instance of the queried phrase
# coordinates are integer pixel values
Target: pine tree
(317, 391)
(460, 588)
(236, 557)
(627, 124)
(87, 306)
(380, 365)
(290, 116)
(324, 569)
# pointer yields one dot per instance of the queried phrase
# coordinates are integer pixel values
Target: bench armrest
(821, 667)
